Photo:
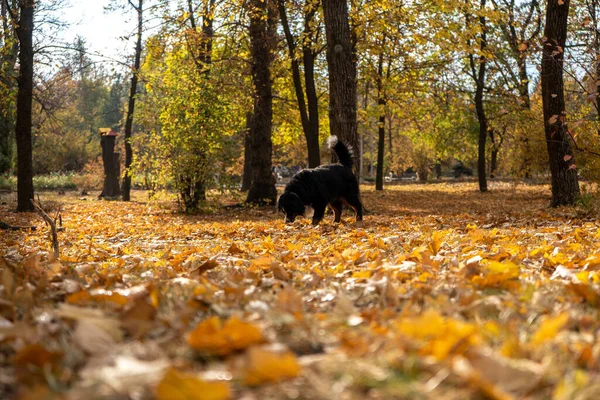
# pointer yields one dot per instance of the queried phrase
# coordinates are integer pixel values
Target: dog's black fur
(332, 184)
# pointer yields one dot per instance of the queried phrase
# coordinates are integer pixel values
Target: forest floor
(441, 292)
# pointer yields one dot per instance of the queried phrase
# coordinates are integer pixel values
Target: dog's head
(291, 205)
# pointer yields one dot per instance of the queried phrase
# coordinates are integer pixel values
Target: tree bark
(592, 11)
(494, 154)
(565, 186)
(110, 160)
(247, 173)
(309, 55)
(381, 124)
(24, 107)
(341, 65)
(131, 104)
(8, 57)
(262, 42)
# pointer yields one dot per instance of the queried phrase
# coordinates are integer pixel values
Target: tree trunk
(8, 57)
(494, 153)
(110, 160)
(478, 68)
(596, 34)
(481, 117)
(380, 151)
(526, 105)
(381, 124)
(24, 107)
(565, 187)
(247, 173)
(313, 160)
(131, 105)
(308, 56)
(262, 42)
(341, 65)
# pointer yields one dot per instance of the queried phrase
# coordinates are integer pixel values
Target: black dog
(332, 184)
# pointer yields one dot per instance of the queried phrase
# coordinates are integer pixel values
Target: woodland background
(420, 91)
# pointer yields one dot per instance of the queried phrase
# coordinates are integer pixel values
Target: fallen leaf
(177, 385)
(206, 266)
(549, 328)
(265, 366)
(211, 336)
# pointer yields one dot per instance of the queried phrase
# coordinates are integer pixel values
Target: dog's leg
(319, 213)
(354, 202)
(336, 206)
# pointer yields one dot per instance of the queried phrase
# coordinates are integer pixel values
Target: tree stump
(111, 189)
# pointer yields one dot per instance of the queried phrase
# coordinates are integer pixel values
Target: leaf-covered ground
(442, 292)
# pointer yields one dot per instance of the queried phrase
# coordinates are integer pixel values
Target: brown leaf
(206, 266)
(32, 362)
(279, 271)
(92, 339)
(139, 317)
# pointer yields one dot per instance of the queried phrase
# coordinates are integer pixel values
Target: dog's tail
(342, 150)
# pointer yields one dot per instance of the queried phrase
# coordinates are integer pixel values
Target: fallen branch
(52, 223)
(5, 226)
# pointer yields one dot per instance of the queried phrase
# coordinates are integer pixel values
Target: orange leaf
(265, 366)
(180, 386)
(214, 337)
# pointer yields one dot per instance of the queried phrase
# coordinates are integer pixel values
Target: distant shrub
(8, 182)
(54, 181)
(91, 177)
(42, 182)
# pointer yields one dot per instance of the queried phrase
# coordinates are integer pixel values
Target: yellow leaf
(549, 328)
(262, 262)
(214, 337)
(265, 366)
(437, 239)
(180, 386)
(437, 335)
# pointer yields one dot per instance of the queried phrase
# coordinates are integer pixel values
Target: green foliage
(190, 122)
(42, 182)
